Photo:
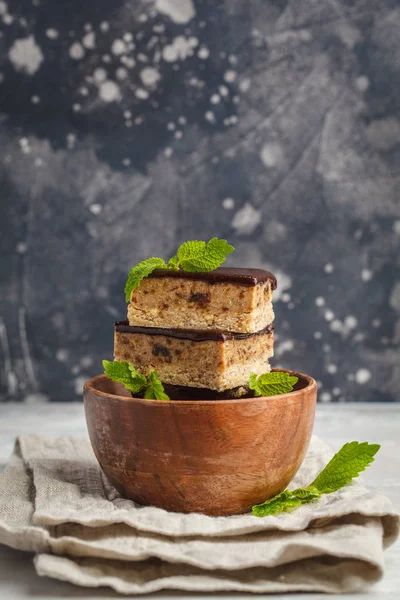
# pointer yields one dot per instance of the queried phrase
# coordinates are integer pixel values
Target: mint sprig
(193, 256)
(347, 464)
(135, 382)
(271, 384)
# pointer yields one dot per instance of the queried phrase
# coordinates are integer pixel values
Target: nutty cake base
(206, 359)
(230, 299)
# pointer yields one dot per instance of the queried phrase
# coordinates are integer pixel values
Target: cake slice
(237, 300)
(211, 359)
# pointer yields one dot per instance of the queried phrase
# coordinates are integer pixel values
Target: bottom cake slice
(206, 359)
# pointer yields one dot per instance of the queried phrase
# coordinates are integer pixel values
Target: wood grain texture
(214, 457)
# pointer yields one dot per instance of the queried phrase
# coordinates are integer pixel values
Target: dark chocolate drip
(248, 277)
(195, 335)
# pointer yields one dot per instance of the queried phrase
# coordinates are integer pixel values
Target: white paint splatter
(286, 297)
(350, 322)
(118, 47)
(121, 74)
(366, 275)
(52, 33)
(317, 335)
(25, 55)
(127, 37)
(283, 347)
(320, 301)
(150, 77)
(104, 26)
(62, 354)
(362, 376)
(35, 99)
(178, 135)
(21, 247)
(89, 40)
(223, 90)
(376, 323)
(215, 99)
(328, 268)
(246, 220)
(362, 83)
(77, 51)
(99, 75)
(168, 152)
(3, 8)
(76, 107)
(325, 397)
(336, 391)
(203, 53)
(79, 382)
(394, 299)
(244, 85)
(209, 116)
(228, 203)
(272, 155)
(332, 369)
(179, 11)
(109, 91)
(230, 76)
(95, 209)
(328, 315)
(126, 162)
(141, 94)
(181, 48)
(25, 145)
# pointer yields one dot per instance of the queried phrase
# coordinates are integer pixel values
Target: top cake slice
(237, 300)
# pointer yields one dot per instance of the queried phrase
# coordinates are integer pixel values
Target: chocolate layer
(248, 277)
(195, 335)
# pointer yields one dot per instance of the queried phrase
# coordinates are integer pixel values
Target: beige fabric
(55, 501)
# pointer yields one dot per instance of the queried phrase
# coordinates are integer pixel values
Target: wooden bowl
(217, 457)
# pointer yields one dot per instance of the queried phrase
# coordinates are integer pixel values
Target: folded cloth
(55, 501)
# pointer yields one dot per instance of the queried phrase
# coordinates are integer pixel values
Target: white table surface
(337, 424)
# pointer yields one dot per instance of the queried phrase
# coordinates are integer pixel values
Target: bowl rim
(310, 387)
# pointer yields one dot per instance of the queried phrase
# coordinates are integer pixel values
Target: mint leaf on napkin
(348, 463)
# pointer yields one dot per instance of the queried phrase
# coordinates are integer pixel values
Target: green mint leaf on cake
(202, 257)
(139, 272)
(271, 384)
(155, 389)
(173, 263)
(125, 373)
(346, 465)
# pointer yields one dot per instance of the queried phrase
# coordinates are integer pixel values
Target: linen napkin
(55, 501)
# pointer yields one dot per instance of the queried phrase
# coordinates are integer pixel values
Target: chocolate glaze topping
(248, 277)
(195, 335)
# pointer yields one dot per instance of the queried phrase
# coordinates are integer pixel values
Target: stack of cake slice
(200, 330)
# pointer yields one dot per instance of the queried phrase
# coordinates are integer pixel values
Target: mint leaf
(123, 372)
(201, 257)
(139, 272)
(348, 463)
(173, 263)
(195, 256)
(307, 494)
(271, 384)
(155, 389)
(135, 382)
(283, 502)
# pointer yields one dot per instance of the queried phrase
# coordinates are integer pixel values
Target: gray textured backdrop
(129, 127)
